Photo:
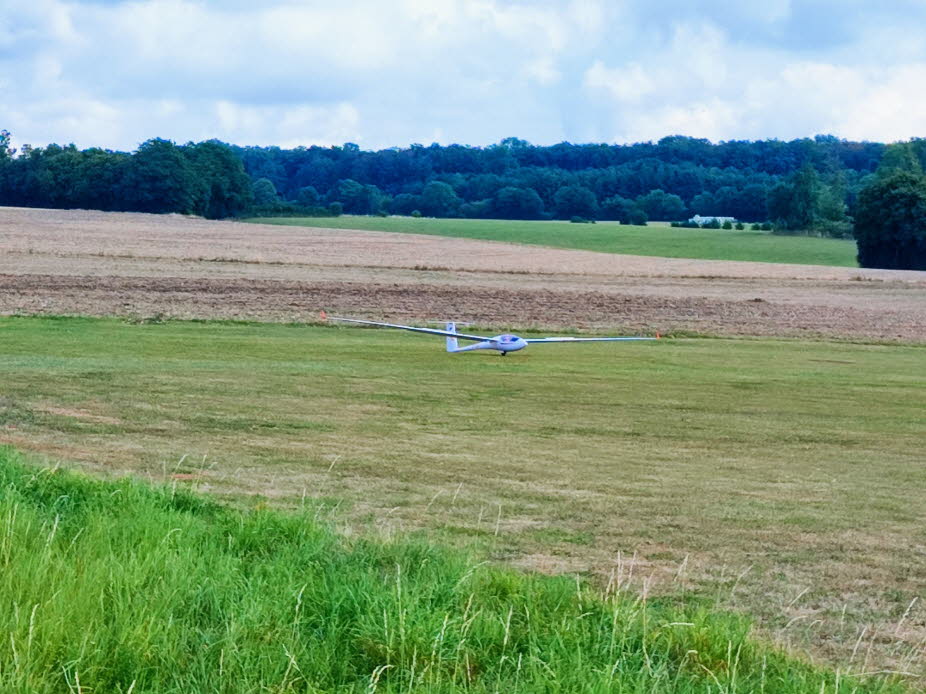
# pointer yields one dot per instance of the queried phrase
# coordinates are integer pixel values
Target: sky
(389, 73)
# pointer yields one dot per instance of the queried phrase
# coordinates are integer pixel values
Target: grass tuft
(124, 587)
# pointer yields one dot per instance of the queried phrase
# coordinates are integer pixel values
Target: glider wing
(430, 331)
(587, 339)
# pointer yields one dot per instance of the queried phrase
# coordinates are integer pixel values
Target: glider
(500, 343)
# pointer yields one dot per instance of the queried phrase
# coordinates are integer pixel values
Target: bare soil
(270, 300)
(136, 265)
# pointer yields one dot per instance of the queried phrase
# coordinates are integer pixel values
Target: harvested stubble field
(782, 478)
(77, 262)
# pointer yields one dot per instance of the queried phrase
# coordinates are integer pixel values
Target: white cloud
(629, 84)
(292, 126)
(473, 71)
(543, 71)
(712, 119)
(882, 101)
(702, 53)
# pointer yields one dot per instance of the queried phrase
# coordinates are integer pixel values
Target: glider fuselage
(500, 343)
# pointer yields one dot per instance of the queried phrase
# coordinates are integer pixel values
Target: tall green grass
(121, 587)
(610, 237)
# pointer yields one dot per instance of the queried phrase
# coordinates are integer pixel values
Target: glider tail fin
(452, 341)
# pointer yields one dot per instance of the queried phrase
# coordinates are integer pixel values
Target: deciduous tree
(160, 179)
(439, 200)
(575, 201)
(264, 192)
(517, 203)
(223, 186)
(890, 222)
(661, 205)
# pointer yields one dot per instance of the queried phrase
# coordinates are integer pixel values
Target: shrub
(637, 218)
(832, 229)
(288, 209)
(416, 213)
(403, 204)
(480, 209)
(572, 201)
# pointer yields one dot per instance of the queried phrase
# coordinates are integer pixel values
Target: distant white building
(698, 219)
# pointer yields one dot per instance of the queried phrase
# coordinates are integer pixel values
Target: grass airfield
(782, 479)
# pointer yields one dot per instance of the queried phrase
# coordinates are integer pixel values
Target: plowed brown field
(95, 263)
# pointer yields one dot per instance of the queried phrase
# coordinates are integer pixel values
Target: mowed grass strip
(120, 587)
(610, 237)
(783, 477)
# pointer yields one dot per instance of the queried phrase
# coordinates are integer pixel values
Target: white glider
(500, 343)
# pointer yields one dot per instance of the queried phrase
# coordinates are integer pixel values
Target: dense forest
(806, 185)
(672, 179)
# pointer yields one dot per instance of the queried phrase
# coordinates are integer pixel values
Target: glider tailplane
(452, 345)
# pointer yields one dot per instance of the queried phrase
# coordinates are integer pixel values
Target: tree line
(206, 178)
(672, 179)
(811, 185)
